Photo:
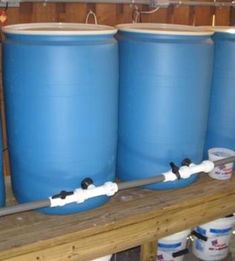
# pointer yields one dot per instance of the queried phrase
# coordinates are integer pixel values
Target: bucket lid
(168, 29)
(220, 223)
(219, 29)
(59, 29)
(176, 236)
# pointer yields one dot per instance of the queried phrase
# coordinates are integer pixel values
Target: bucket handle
(180, 253)
(199, 236)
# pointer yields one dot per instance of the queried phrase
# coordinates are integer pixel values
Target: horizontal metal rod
(201, 3)
(160, 3)
(224, 161)
(140, 182)
(24, 207)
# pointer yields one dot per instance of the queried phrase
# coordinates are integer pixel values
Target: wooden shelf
(131, 218)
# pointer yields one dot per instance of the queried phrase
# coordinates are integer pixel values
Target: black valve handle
(199, 236)
(181, 252)
(175, 169)
(63, 194)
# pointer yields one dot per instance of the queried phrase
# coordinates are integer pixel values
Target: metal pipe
(121, 186)
(201, 3)
(156, 3)
(224, 161)
(140, 182)
(24, 207)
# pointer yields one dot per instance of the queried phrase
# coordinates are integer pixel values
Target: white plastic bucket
(217, 234)
(224, 171)
(173, 245)
(104, 258)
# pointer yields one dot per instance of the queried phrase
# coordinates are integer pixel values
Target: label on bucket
(214, 248)
(222, 172)
(225, 170)
(165, 251)
(163, 256)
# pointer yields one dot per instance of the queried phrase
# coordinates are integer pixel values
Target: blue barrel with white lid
(165, 79)
(61, 94)
(221, 123)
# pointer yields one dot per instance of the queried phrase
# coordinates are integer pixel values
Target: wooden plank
(124, 13)
(106, 14)
(128, 220)
(222, 16)
(60, 12)
(25, 12)
(148, 251)
(160, 16)
(44, 12)
(203, 15)
(232, 16)
(170, 14)
(182, 15)
(12, 15)
(75, 12)
(113, 14)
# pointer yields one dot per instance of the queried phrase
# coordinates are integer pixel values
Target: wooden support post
(148, 251)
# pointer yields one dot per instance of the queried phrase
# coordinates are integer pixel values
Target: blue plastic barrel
(221, 123)
(165, 77)
(2, 185)
(61, 92)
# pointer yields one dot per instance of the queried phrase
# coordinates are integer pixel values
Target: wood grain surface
(131, 218)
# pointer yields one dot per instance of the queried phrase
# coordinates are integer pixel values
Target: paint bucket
(224, 171)
(211, 240)
(173, 247)
(104, 258)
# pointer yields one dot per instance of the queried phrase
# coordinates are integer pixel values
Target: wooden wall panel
(106, 13)
(25, 12)
(232, 16)
(13, 15)
(75, 12)
(118, 13)
(124, 13)
(222, 16)
(44, 12)
(182, 15)
(160, 16)
(203, 15)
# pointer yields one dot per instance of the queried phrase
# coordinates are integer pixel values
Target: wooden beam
(148, 251)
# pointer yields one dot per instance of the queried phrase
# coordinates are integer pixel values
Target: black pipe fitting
(186, 162)
(86, 183)
(63, 194)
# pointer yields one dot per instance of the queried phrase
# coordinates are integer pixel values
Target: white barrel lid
(59, 29)
(219, 29)
(168, 29)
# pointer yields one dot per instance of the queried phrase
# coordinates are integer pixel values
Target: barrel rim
(166, 29)
(59, 29)
(220, 29)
